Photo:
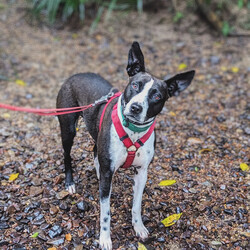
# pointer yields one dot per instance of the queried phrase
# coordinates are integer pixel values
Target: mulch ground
(202, 136)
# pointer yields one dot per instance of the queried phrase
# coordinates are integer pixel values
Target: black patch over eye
(156, 97)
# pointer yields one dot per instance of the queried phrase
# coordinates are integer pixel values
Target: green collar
(132, 126)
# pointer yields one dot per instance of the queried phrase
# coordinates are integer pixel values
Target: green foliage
(240, 4)
(225, 28)
(65, 9)
(178, 16)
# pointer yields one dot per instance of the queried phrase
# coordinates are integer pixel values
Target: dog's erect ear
(135, 60)
(179, 82)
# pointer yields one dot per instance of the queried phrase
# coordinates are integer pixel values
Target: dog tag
(132, 148)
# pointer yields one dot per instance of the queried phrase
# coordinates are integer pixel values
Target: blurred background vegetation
(226, 17)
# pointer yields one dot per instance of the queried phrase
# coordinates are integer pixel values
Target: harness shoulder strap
(104, 110)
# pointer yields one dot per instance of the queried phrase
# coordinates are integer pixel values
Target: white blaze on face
(141, 99)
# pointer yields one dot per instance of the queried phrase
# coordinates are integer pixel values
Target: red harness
(131, 147)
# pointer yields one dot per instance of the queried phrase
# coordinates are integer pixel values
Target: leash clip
(105, 98)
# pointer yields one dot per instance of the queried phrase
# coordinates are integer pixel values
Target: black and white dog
(126, 134)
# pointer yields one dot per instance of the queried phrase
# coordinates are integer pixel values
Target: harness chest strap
(131, 147)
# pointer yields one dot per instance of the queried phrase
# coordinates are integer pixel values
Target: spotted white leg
(97, 167)
(105, 191)
(71, 188)
(140, 179)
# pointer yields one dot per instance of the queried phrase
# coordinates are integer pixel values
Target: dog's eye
(156, 97)
(135, 85)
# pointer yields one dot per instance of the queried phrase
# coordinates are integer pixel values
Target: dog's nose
(136, 108)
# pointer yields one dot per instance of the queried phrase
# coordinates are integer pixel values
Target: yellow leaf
(74, 36)
(204, 150)
(20, 82)
(167, 182)
(6, 115)
(235, 69)
(244, 167)
(141, 246)
(171, 113)
(52, 248)
(13, 177)
(77, 129)
(68, 237)
(223, 68)
(171, 220)
(182, 66)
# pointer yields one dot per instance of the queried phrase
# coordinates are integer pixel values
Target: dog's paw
(105, 243)
(71, 188)
(141, 231)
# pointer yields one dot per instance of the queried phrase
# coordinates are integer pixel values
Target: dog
(122, 129)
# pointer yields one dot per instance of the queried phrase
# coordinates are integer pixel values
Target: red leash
(46, 112)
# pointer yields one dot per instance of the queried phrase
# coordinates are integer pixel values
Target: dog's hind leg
(105, 192)
(140, 179)
(96, 162)
(68, 132)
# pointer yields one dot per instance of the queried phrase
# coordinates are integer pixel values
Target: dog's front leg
(105, 191)
(140, 179)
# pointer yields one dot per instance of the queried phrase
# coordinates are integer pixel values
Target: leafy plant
(225, 28)
(178, 16)
(240, 4)
(65, 9)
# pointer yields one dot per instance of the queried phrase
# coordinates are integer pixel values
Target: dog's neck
(131, 129)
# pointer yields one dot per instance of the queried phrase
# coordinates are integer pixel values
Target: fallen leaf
(235, 69)
(182, 66)
(247, 234)
(52, 248)
(20, 82)
(34, 235)
(171, 220)
(141, 246)
(171, 113)
(244, 167)
(194, 140)
(75, 35)
(200, 77)
(167, 182)
(204, 150)
(223, 68)
(68, 237)
(13, 177)
(6, 115)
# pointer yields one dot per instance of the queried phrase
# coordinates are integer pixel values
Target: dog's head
(145, 95)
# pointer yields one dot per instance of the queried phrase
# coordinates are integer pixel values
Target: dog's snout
(136, 108)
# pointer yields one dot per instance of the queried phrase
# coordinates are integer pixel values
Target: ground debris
(202, 137)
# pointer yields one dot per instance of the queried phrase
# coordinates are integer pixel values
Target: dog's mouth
(132, 119)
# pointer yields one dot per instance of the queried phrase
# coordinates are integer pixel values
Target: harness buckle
(132, 148)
